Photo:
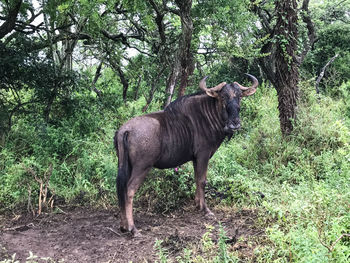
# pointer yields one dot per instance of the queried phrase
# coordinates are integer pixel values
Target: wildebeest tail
(123, 170)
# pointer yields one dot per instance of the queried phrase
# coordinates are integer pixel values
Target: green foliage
(309, 224)
(132, 109)
(31, 85)
(311, 171)
(162, 253)
(332, 39)
(206, 250)
(224, 256)
(319, 139)
(82, 156)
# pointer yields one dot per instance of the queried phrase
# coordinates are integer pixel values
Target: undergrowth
(206, 250)
(299, 183)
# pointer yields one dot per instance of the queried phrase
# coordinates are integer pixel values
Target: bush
(331, 40)
(82, 157)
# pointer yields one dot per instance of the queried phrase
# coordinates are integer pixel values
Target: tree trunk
(171, 82)
(123, 79)
(97, 75)
(185, 53)
(281, 65)
(287, 73)
(136, 94)
(305, 14)
(49, 103)
(155, 85)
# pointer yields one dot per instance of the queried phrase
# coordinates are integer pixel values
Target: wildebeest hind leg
(200, 169)
(123, 222)
(137, 177)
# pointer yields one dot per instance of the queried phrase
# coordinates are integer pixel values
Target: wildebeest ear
(212, 93)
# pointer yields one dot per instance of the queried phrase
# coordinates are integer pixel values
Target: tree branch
(11, 18)
(323, 71)
(120, 37)
(305, 14)
(97, 75)
(159, 21)
(122, 77)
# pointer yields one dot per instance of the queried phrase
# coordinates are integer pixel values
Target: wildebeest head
(230, 96)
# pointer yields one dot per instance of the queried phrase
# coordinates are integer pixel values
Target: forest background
(73, 71)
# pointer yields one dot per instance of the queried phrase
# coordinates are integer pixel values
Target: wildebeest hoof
(123, 229)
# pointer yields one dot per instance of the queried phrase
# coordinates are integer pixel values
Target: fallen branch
(19, 228)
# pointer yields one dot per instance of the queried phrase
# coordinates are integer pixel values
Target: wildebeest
(190, 128)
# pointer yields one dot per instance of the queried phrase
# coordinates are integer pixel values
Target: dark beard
(228, 136)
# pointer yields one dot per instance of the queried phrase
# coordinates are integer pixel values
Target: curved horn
(203, 84)
(212, 92)
(247, 91)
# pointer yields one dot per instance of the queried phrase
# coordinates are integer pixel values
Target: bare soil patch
(83, 235)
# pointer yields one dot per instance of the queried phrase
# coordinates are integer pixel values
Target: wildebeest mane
(178, 103)
(204, 114)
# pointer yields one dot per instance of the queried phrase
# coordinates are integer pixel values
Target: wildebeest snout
(232, 127)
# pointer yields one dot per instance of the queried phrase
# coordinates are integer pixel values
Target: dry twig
(44, 184)
(110, 229)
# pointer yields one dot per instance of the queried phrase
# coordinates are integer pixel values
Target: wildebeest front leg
(200, 169)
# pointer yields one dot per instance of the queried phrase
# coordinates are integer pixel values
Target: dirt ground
(85, 235)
